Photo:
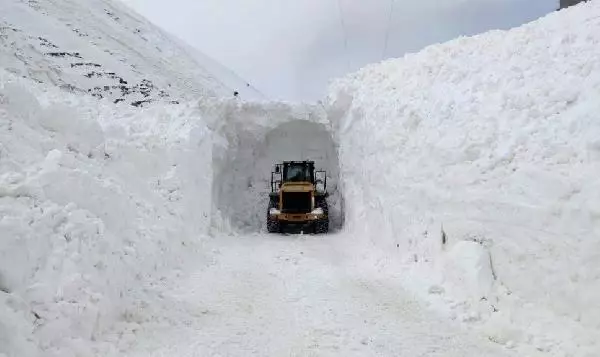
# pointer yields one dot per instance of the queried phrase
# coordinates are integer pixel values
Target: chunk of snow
(467, 269)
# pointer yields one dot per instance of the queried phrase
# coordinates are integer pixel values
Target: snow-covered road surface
(296, 296)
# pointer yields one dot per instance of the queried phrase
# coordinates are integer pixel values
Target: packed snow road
(296, 296)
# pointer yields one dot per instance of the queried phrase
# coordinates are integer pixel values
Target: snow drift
(491, 139)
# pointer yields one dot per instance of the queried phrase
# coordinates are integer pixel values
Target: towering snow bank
(492, 139)
(96, 203)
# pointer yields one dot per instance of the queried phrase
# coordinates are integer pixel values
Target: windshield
(297, 172)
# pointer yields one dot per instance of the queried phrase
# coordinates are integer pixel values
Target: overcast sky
(290, 49)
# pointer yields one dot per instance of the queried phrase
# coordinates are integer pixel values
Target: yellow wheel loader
(298, 198)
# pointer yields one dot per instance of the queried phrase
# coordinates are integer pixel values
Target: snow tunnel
(242, 181)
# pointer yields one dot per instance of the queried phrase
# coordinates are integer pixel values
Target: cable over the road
(388, 29)
(344, 32)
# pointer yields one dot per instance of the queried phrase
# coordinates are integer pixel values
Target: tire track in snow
(298, 296)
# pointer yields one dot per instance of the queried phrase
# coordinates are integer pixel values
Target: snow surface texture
(491, 145)
(274, 296)
(104, 49)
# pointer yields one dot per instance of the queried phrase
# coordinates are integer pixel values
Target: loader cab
(298, 172)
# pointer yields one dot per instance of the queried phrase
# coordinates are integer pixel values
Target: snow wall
(97, 202)
(485, 152)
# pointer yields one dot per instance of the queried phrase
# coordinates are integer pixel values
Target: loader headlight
(318, 211)
(274, 211)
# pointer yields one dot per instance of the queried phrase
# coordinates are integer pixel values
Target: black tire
(321, 226)
(273, 225)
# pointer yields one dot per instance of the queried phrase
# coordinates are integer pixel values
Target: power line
(388, 29)
(344, 33)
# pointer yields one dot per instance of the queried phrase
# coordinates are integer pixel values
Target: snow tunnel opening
(243, 183)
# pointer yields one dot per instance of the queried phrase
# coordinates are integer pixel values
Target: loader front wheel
(321, 226)
(273, 225)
